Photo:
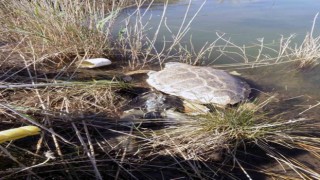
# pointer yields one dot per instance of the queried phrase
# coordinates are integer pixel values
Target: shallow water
(243, 20)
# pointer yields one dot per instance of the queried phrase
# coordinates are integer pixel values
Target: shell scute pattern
(202, 85)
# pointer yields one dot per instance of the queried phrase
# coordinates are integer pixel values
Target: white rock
(94, 63)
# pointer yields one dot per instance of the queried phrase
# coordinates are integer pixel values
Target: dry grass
(60, 33)
(76, 98)
(57, 30)
(224, 133)
(79, 120)
(74, 118)
(305, 54)
(308, 52)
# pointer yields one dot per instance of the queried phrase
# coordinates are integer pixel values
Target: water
(244, 20)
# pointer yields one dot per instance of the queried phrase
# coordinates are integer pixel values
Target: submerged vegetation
(78, 111)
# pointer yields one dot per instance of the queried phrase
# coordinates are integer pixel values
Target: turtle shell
(198, 84)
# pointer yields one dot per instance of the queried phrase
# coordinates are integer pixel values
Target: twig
(310, 108)
(89, 154)
(124, 152)
(101, 82)
(96, 170)
(49, 156)
(243, 170)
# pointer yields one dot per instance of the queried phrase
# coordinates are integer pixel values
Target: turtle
(199, 84)
(187, 88)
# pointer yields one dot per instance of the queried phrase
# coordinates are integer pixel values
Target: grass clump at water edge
(223, 135)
